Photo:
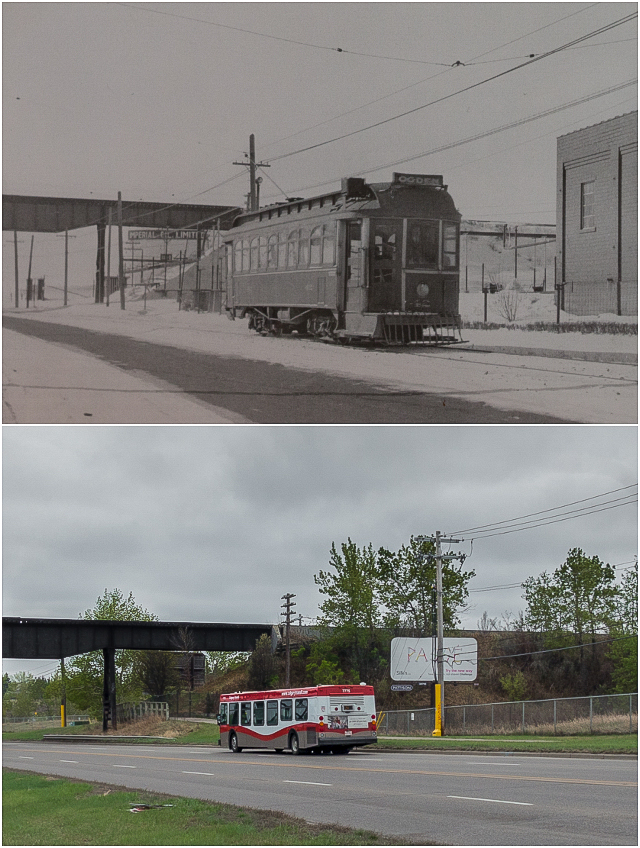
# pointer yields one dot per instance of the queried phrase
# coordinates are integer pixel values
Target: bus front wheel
(233, 744)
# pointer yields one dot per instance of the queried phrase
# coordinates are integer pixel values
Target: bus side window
(286, 713)
(234, 710)
(222, 714)
(245, 714)
(258, 713)
(302, 709)
(272, 713)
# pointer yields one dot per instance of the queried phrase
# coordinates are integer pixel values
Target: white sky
(217, 523)
(157, 100)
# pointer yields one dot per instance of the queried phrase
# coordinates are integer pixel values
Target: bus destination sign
(417, 179)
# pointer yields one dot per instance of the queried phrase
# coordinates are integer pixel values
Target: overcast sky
(217, 523)
(157, 100)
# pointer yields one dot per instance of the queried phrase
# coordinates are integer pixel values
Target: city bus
(311, 719)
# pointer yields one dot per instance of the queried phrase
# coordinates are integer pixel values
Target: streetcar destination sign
(418, 179)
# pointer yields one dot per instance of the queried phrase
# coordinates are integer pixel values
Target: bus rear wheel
(233, 744)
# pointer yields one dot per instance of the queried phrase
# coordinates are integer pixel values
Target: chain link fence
(595, 714)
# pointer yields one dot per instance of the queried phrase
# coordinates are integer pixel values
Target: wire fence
(40, 721)
(593, 714)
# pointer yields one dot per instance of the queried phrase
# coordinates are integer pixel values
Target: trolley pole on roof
(287, 606)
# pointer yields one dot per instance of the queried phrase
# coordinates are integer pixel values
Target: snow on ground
(583, 391)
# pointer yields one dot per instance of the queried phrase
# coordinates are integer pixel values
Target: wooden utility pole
(108, 285)
(15, 251)
(288, 605)
(252, 200)
(29, 280)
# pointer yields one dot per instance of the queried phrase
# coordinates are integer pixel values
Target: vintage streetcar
(375, 262)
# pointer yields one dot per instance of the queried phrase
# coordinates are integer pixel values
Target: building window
(587, 208)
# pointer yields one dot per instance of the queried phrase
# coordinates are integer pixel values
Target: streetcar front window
(422, 244)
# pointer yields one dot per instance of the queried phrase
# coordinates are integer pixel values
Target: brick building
(597, 217)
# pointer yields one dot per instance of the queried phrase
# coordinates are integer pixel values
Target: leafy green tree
(220, 662)
(27, 695)
(351, 606)
(263, 669)
(406, 587)
(577, 601)
(85, 673)
(157, 672)
(624, 651)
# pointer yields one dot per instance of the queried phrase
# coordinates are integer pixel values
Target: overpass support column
(109, 690)
(99, 288)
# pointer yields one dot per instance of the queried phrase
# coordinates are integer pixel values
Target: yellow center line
(241, 762)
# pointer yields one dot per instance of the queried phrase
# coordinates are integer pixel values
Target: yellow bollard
(438, 715)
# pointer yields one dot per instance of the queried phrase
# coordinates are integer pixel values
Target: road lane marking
(490, 800)
(115, 765)
(307, 782)
(207, 773)
(26, 758)
(69, 761)
(272, 763)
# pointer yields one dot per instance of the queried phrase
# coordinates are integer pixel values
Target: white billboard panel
(415, 660)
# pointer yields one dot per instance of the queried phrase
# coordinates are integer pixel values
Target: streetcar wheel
(294, 744)
(233, 744)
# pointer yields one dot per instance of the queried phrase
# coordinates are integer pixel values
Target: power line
(459, 91)
(543, 511)
(553, 650)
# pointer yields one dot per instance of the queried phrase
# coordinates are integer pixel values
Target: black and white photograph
(320, 213)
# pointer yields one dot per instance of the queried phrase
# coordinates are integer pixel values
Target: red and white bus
(310, 719)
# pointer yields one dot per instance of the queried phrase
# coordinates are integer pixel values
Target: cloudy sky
(217, 523)
(157, 100)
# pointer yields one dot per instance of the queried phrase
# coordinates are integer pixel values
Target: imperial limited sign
(143, 235)
(415, 660)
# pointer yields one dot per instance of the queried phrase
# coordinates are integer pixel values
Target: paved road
(464, 799)
(262, 392)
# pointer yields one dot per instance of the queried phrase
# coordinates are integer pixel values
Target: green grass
(39, 810)
(605, 744)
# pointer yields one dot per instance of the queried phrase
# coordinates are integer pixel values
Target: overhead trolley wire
(471, 87)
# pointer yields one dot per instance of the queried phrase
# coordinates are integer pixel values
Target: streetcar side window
(302, 709)
(234, 711)
(328, 247)
(272, 713)
(262, 252)
(449, 245)
(303, 250)
(258, 713)
(292, 249)
(282, 250)
(254, 254)
(286, 710)
(245, 255)
(245, 714)
(272, 252)
(238, 256)
(315, 257)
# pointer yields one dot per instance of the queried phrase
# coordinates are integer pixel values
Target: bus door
(385, 282)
